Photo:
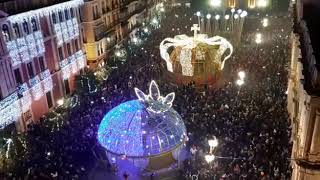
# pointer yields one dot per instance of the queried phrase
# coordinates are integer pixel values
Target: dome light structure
(147, 131)
(196, 58)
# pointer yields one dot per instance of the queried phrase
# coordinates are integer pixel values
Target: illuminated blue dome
(135, 131)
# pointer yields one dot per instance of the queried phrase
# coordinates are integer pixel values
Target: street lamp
(236, 16)
(233, 10)
(258, 38)
(146, 30)
(217, 17)
(244, 14)
(209, 158)
(213, 142)
(215, 3)
(265, 22)
(240, 82)
(208, 16)
(60, 102)
(154, 21)
(135, 40)
(241, 75)
(239, 11)
(227, 16)
(118, 54)
(199, 14)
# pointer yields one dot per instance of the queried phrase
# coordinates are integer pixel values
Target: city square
(190, 90)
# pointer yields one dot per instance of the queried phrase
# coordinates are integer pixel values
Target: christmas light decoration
(13, 52)
(188, 44)
(9, 110)
(74, 67)
(132, 131)
(67, 30)
(155, 101)
(23, 49)
(9, 142)
(22, 88)
(25, 101)
(46, 11)
(36, 88)
(66, 72)
(46, 81)
(47, 84)
(39, 41)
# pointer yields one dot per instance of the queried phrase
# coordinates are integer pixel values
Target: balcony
(72, 64)
(25, 48)
(9, 110)
(100, 32)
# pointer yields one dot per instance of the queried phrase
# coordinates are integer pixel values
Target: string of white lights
(188, 44)
(18, 18)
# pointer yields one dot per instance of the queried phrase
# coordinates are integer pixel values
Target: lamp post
(232, 13)
(213, 143)
(216, 24)
(226, 22)
(258, 38)
(199, 14)
(208, 25)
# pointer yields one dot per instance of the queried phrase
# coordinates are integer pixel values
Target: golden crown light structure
(199, 58)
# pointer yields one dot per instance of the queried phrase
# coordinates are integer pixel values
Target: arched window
(16, 30)
(72, 12)
(34, 25)
(60, 16)
(6, 33)
(66, 14)
(54, 18)
(25, 27)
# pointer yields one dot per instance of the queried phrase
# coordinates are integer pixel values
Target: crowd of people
(249, 121)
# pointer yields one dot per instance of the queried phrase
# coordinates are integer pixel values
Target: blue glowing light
(132, 130)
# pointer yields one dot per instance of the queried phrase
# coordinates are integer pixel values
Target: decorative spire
(155, 102)
(195, 29)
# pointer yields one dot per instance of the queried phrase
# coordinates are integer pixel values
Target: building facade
(304, 97)
(41, 52)
(106, 23)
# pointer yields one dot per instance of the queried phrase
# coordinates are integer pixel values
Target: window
(60, 53)
(25, 27)
(18, 77)
(98, 49)
(41, 64)
(16, 30)
(30, 70)
(76, 44)
(54, 18)
(49, 99)
(6, 33)
(66, 14)
(72, 13)
(101, 47)
(95, 12)
(60, 16)
(69, 49)
(66, 85)
(34, 25)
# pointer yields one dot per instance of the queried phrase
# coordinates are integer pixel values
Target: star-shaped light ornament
(154, 101)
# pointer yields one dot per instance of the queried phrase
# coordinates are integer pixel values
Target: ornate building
(107, 23)
(303, 91)
(41, 52)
